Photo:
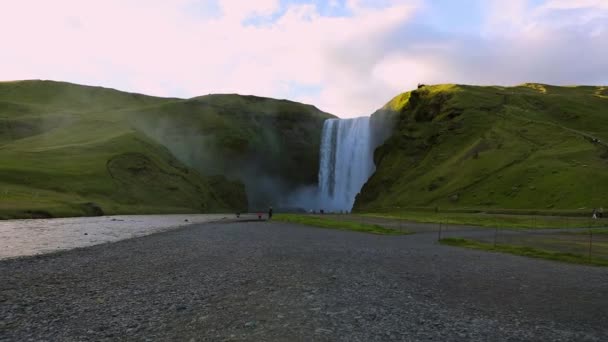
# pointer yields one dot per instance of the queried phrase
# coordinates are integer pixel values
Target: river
(39, 236)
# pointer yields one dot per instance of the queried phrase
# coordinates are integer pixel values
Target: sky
(347, 57)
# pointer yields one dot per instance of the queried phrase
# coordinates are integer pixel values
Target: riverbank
(38, 236)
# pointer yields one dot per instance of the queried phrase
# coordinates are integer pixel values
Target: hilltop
(532, 146)
(70, 150)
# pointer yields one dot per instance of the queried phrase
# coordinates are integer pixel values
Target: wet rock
(92, 209)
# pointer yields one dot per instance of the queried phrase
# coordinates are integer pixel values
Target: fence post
(590, 243)
(439, 237)
(495, 235)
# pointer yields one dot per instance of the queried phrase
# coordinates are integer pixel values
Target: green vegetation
(270, 145)
(595, 231)
(71, 150)
(489, 156)
(533, 146)
(336, 224)
(526, 251)
(493, 220)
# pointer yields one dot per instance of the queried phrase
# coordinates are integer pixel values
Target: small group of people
(322, 211)
(269, 214)
(597, 213)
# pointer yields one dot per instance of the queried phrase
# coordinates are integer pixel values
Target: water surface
(30, 237)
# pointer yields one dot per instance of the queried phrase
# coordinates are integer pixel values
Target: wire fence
(591, 243)
(560, 236)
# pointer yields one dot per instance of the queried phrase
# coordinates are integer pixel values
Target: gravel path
(260, 281)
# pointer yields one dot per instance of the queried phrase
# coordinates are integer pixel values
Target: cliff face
(530, 146)
(271, 146)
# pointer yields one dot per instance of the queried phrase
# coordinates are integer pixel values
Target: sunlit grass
(338, 224)
(533, 146)
(526, 251)
(494, 220)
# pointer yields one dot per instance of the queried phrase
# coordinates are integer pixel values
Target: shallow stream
(30, 237)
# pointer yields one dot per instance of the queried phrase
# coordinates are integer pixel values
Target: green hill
(69, 150)
(272, 146)
(532, 146)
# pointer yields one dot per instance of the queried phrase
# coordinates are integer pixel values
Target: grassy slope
(525, 147)
(64, 145)
(270, 145)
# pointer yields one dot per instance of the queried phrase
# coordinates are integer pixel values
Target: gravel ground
(259, 281)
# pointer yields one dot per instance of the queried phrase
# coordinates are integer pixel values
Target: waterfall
(346, 162)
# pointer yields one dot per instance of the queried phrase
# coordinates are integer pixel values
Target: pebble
(229, 281)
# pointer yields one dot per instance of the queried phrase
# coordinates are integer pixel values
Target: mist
(270, 146)
(267, 183)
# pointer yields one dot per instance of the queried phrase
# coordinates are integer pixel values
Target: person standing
(270, 213)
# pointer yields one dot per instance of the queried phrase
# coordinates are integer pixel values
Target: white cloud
(575, 4)
(357, 62)
(238, 10)
(157, 48)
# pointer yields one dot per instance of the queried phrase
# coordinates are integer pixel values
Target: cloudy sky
(347, 57)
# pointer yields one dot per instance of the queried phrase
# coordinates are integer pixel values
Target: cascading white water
(346, 162)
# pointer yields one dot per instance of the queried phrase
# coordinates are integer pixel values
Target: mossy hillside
(49, 96)
(526, 147)
(65, 146)
(120, 171)
(270, 145)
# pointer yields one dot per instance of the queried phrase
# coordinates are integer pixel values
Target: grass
(64, 145)
(129, 174)
(526, 251)
(453, 147)
(595, 231)
(524, 147)
(504, 221)
(336, 224)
